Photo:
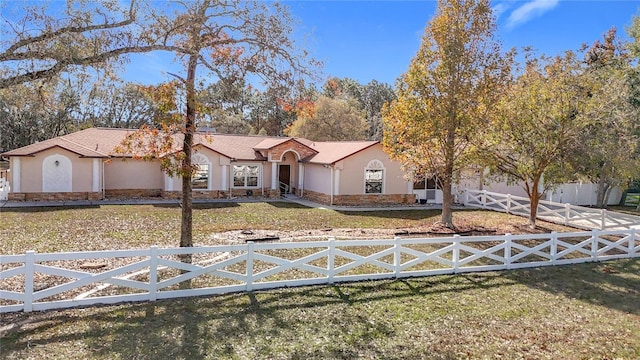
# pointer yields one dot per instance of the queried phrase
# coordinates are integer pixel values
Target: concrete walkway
(8, 205)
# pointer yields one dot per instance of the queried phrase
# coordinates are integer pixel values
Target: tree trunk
(534, 200)
(186, 231)
(447, 201)
(602, 189)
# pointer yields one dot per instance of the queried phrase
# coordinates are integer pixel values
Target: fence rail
(566, 214)
(33, 282)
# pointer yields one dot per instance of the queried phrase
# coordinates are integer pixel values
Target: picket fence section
(35, 282)
(566, 214)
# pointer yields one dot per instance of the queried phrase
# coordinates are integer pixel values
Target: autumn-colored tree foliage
(227, 40)
(447, 95)
(331, 120)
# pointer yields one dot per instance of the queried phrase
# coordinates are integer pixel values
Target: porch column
(15, 174)
(274, 175)
(225, 175)
(95, 183)
(336, 188)
(168, 183)
(300, 177)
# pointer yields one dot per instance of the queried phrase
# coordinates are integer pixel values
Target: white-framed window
(374, 178)
(245, 175)
(201, 179)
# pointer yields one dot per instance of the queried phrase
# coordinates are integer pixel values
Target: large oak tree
(41, 41)
(226, 40)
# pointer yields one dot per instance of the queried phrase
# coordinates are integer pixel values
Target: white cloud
(500, 8)
(530, 10)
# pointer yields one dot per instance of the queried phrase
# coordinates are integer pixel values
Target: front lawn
(587, 311)
(140, 226)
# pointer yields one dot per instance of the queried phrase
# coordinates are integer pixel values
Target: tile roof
(100, 142)
(330, 152)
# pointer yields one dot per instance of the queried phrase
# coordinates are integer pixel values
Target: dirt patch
(434, 230)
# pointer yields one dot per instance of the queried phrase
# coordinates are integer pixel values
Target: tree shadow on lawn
(304, 323)
(614, 284)
(245, 325)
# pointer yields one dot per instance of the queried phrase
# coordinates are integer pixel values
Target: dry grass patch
(140, 226)
(587, 311)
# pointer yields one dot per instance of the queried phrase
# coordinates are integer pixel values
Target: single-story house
(84, 165)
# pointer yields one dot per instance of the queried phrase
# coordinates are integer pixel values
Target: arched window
(374, 177)
(201, 180)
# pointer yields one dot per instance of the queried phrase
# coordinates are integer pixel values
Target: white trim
(374, 164)
(95, 183)
(274, 175)
(300, 177)
(15, 174)
(336, 187)
(201, 159)
(260, 172)
(168, 182)
(225, 170)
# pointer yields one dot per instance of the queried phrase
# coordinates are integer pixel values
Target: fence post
(554, 247)
(29, 263)
(153, 273)
(508, 238)
(604, 219)
(594, 244)
(456, 253)
(567, 213)
(331, 264)
(466, 197)
(632, 242)
(249, 265)
(396, 256)
(484, 199)
(508, 203)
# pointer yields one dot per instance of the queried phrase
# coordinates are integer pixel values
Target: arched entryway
(288, 172)
(57, 174)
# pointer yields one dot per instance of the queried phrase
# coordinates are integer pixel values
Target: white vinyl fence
(566, 214)
(4, 189)
(33, 282)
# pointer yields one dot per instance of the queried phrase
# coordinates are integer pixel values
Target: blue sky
(367, 40)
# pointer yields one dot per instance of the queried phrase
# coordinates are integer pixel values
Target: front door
(284, 176)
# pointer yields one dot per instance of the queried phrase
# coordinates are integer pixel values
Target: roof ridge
(63, 137)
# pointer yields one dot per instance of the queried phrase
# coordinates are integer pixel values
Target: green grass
(588, 311)
(140, 226)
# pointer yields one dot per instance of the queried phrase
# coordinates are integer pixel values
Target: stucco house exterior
(83, 165)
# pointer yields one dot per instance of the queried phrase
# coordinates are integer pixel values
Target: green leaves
(447, 94)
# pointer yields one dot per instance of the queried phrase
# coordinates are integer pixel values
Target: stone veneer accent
(302, 150)
(360, 200)
(55, 196)
(132, 193)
